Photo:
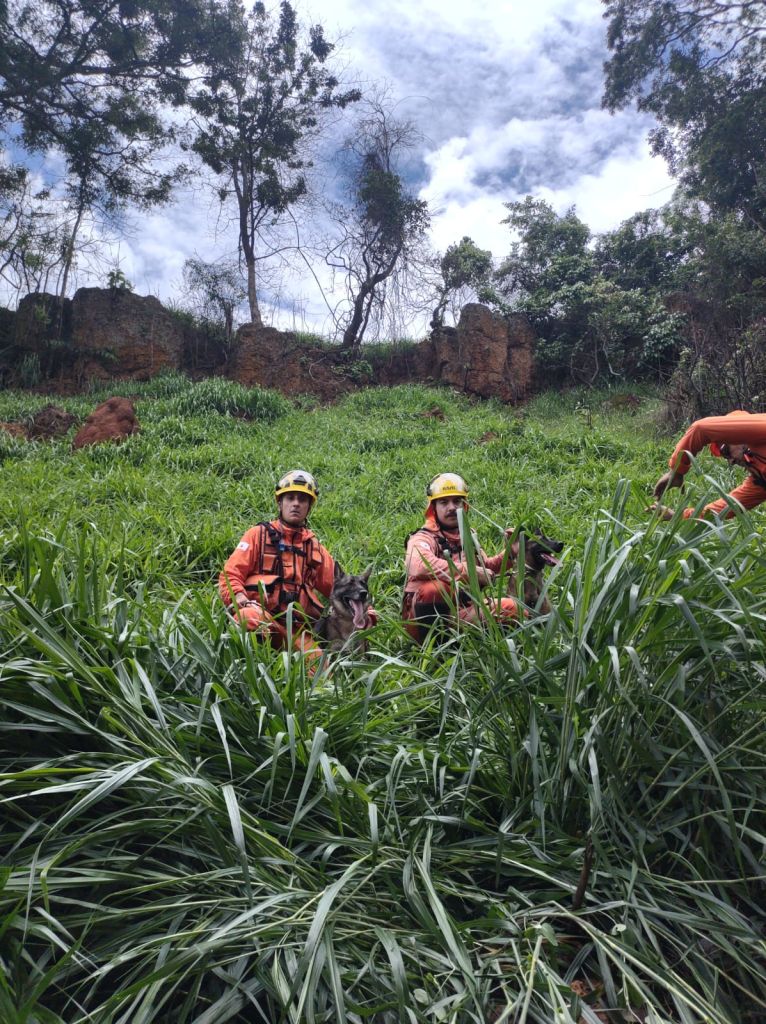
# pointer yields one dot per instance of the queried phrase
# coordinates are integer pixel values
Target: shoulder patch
(243, 546)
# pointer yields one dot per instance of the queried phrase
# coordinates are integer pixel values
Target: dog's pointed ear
(367, 572)
(338, 572)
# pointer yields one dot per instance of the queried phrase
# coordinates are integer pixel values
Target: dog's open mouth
(359, 612)
(549, 559)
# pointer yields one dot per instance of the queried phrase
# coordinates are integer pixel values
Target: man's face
(446, 511)
(734, 454)
(294, 508)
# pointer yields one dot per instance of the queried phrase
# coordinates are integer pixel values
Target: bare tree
(382, 225)
(216, 291)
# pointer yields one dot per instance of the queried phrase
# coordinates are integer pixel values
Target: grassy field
(561, 823)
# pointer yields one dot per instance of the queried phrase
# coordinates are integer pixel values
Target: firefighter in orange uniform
(279, 563)
(740, 438)
(435, 562)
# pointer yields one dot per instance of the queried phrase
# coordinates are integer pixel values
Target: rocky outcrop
(113, 420)
(278, 359)
(107, 333)
(486, 355)
(7, 326)
(42, 323)
(133, 332)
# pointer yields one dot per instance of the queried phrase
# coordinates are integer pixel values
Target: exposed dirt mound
(50, 421)
(14, 429)
(113, 420)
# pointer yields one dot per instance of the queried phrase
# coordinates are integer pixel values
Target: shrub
(215, 394)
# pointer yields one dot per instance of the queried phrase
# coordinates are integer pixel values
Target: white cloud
(625, 184)
(508, 98)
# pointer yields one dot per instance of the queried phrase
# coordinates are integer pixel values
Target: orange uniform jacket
(736, 428)
(425, 561)
(275, 564)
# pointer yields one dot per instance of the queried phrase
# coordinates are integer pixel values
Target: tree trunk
(69, 256)
(243, 186)
(252, 295)
(353, 334)
(350, 339)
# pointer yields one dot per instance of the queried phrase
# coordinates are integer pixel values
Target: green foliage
(588, 325)
(463, 267)
(197, 831)
(382, 226)
(215, 394)
(117, 279)
(29, 372)
(551, 251)
(388, 221)
(699, 68)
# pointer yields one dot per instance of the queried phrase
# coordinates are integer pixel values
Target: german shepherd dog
(539, 551)
(346, 611)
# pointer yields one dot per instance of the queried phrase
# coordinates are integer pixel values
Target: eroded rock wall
(486, 355)
(133, 332)
(107, 333)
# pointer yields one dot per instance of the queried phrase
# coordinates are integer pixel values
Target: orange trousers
(257, 620)
(433, 601)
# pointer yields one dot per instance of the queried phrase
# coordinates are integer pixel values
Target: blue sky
(507, 97)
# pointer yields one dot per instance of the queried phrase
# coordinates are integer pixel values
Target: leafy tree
(68, 64)
(464, 266)
(699, 67)
(645, 251)
(588, 326)
(260, 105)
(92, 80)
(721, 289)
(551, 251)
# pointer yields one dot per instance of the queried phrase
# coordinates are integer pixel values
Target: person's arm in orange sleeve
(749, 494)
(239, 565)
(750, 430)
(731, 429)
(424, 563)
(326, 575)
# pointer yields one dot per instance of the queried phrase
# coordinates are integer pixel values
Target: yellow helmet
(297, 480)
(446, 485)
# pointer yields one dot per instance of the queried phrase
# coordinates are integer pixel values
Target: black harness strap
(287, 593)
(449, 547)
(754, 473)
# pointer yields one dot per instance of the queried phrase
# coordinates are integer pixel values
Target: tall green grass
(196, 831)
